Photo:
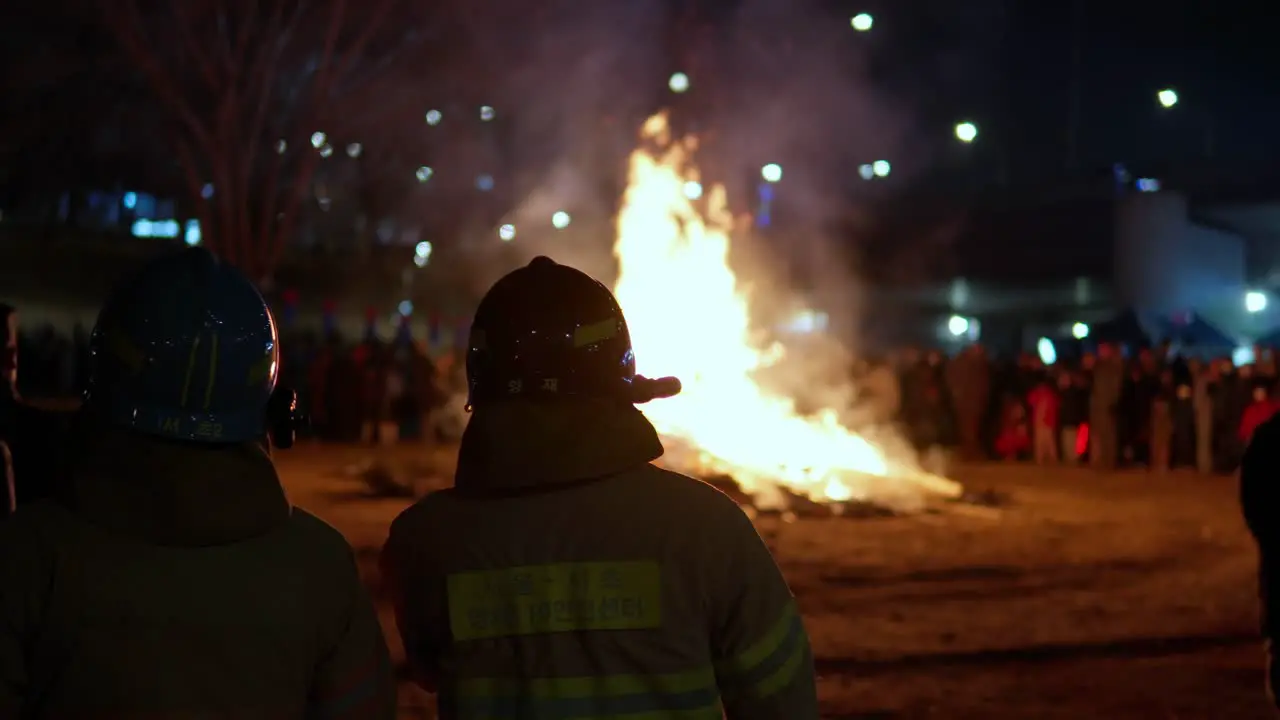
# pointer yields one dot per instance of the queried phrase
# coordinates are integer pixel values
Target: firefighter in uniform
(1260, 502)
(564, 576)
(168, 576)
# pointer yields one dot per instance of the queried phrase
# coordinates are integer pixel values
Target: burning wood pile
(799, 507)
(690, 318)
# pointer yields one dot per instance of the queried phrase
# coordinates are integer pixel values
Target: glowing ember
(688, 318)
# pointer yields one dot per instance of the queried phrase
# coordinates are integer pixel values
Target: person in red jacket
(1258, 412)
(1014, 437)
(1044, 402)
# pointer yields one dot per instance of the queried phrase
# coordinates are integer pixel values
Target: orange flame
(688, 318)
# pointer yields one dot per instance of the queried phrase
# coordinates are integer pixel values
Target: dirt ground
(1123, 595)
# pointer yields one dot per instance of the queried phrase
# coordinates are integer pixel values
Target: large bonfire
(690, 318)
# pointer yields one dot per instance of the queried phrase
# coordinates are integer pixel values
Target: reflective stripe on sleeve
(768, 666)
(685, 696)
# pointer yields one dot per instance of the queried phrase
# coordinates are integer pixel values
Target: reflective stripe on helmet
(595, 332)
(213, 371)
(191, 368)
(211, 375)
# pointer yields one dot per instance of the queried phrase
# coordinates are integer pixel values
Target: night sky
(1219, 56)
(788, 81)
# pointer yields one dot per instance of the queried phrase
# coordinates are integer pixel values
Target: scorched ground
(1100, 596)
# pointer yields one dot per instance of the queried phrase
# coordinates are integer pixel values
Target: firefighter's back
(127, 628)
(552, 582)
(567, 577)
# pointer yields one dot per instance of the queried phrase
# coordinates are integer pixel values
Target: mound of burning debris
(404, 480)
(384, 480)
(796, 506)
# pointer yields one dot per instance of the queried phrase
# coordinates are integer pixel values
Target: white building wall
(1165, 264)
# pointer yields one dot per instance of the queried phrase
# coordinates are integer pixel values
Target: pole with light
(1255, 302)
(1169, 100)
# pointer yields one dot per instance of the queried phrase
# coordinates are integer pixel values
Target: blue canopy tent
(1271, 339)
(1191, 331)
(1125, 328)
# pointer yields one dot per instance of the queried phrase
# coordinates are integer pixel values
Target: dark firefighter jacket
(168, 581)
(1260, 503)
(566, 577)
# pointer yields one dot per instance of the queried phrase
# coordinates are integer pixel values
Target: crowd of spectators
(1113, 405)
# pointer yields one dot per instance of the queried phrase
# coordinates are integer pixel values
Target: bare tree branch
(196, 187)
(245, 34)
(324, 83)
(124, 20)
(199, 55)
(264, 71)
(261, 83)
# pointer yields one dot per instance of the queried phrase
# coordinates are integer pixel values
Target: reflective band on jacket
(684, 696)
(768, 666)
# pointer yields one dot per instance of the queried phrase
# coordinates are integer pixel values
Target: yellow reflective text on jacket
(562, 597)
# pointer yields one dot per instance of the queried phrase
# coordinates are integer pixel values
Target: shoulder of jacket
(696, 495)
(425, 511)
(317, 533)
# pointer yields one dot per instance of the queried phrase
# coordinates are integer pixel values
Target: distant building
(1015, 272)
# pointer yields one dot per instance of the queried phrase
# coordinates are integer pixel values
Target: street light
(560, 220)
(507, 232)
(862, 22)
(771, 173)
(678, 83)
(958, 325)
(422, 254)
(1080, 331)
(1255, 302)
(1047, 352)
(1167, 97)
(434, 117)
(881, 168)
(966, 132)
